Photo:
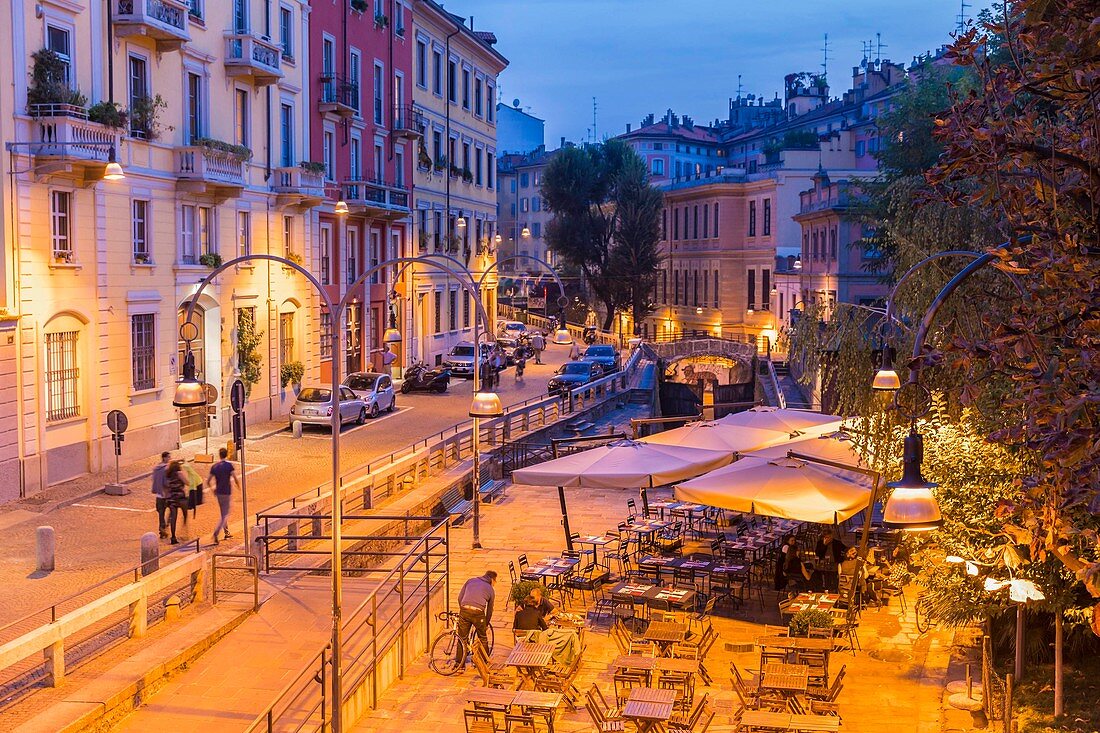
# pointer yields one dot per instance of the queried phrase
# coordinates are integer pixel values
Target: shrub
(291, 373)
(522, 589)
(815, 617)
(312, 166)
(210, 259)
(145, 116)
(108, 113)
(238, 151)
(49, 84)
(248, 348)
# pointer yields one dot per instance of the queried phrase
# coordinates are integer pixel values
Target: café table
(649, 708)
(649, 592)
(551, 567)
(639, 663)
(785, 678)
(806, 601)
(597, 541)
(665, 634)
(545, 704)
(761, 720)
(530, 659)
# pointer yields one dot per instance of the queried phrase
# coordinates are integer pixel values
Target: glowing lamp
(912, 505)
(190, 392)
(486, 404)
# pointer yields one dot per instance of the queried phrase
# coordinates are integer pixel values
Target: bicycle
(448, 652)
(922, 612)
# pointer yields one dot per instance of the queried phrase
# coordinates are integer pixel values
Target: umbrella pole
(862, 552)
(565, 518)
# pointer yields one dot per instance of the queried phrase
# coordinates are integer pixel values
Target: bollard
(172, 608)
(150, 553)
(45, 549)
(296, 428)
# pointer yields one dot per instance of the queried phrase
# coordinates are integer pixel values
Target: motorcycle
(589, 335)
(523, 349)
(419, 378)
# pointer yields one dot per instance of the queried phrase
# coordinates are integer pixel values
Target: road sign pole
(117, 424)
(236, 402)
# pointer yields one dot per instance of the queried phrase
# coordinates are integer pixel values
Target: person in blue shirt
(475, 608)
(223, 475)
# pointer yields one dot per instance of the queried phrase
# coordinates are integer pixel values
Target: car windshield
(312, 394)
(576, 368)
(462, 351)
(599, 351)
(361, 382)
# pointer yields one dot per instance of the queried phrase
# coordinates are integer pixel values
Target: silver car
(376, 391)
(314, 407)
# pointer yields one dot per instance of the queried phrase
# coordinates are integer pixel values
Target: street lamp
(190, 392)
(886, 378)
(341, 208)
(912, 505)
(525, 233)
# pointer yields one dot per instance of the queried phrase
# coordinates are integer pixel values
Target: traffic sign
(237, 395)
(211, 393)
(117, 422)
(536, 302)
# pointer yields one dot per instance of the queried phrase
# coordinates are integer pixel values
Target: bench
(492, 489)
(455, 506)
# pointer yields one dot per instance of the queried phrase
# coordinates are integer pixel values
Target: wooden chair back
(479, 721)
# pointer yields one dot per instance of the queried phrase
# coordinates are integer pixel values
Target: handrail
(779, 396)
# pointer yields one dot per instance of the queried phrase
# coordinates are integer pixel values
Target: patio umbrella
(785, 419)
(715, 435)
(836, 447)
(782, 487)
(622, 464)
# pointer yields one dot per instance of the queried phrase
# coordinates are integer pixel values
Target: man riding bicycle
(475, 603)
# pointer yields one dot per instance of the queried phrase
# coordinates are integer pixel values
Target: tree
(606, 218)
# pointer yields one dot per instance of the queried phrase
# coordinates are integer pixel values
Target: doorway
(193, 422)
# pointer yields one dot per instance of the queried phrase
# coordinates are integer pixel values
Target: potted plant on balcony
(63, 256)
(441, 163)
(312, 166)
(467, 175)
(295, 258)
(210, 259)
(291, 372)
(145, 117)
(141, 258)
(456, 171)
(381, 21)
(359, 6)
(110, 114)
(241, 152)
(49, 93)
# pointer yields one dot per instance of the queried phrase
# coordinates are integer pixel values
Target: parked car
(314, 407)
(511, 329)
(603, 354)
(573, 374)
(376, 391)
(460, 360)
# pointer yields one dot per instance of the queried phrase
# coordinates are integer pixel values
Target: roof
(482, 38)
(699, 133)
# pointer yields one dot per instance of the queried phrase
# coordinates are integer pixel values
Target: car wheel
(393, 404)
(362, 416)
(373, 410)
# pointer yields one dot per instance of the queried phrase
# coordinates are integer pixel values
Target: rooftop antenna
(825, 59)
(879, 46)
(963, 5)
(594, 106)
(738, 87)
(866, 53)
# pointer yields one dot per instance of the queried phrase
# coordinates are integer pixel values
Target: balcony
(376, 198)
(250, 56)
(203, 170)
(296, 186)
(408, 122)
(165, 21)
(338, 96)
(67, 145)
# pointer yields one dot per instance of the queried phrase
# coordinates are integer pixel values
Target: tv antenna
(879, 45)
(825, 59)
(963, 5)
(594, 107)
(738, 87)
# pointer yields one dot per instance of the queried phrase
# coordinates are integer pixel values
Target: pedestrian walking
(223, 475)
(538, 343)
(388, 358)
(160, 491)
(574, 351)
(521, 363)
(176, 490)
(194, 487)
(498, 367)
(475, 608)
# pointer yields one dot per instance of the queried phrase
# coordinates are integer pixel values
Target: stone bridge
(723, 361)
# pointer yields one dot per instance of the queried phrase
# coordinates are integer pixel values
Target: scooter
(419, 378)
(589, 335)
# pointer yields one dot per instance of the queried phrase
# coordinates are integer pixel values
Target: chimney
(562, 144)
(628, 127)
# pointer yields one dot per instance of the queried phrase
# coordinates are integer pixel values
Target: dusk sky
(642, 56)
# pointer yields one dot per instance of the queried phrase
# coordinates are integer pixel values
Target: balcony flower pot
(381, 21)
(110, 114)
(62, 258)
(145, 117)
(359, 6)
(141, 259)
(295, 258)
(211, 260)
(237, 151)
(312, 167)
(49, 93)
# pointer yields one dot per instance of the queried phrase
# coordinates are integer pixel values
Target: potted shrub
(241, 152)
(145, 117)
(467, 175)
(381, 21)
(63, 256)
(359, 6)
(49, 92)
(291, 373)
(810, 617)
(210, 259)
(108, 113)
(295, 258)
(441, 163)
(312, 166)
(141, 258)
(522, 589)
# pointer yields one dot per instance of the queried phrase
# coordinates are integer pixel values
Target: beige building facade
(97, 272)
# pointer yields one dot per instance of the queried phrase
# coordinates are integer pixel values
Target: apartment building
(523, 214)
(364, 136)
(455, 68)
(98, 273)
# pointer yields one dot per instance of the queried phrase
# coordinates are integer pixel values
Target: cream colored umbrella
(782, 487)
(783, 418)
(715, 435)
(836, 447)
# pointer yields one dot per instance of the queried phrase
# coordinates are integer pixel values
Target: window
(676, 287)
(490, 167)
(194, 107)
(353, 346)
(478, 155)
(658, 167)
(438, 320)
(421, 64)
(695, 222)
(478, 107)
(207, 241)
(490, 103)
(452, 309)
(832, 243)
(376, 256)
(524, 204)
(140, 215)
(465, 310)
(676, 224)
(62, 376)
(536, 230)
(716, 288)
(379, 91)
(286, 32)
(187, 235)
(695, 287)
(240, 15)
(195, 9)
(139, 90)
(355, 159)
(452, 82)
(664, 223)
(752, 218)
(328, 145)
(686, 211)
(706, 219)
(286, 338)
(466, 89)
(240, 117)
(813, 238)
(59, 41)
(379, 173)
(399, 19)
(715, 218)
(143, 351)
(399, 168)
(326, 256)
(465, 156)
(523, 180)
(536, 204)
(288, 236)
(355, 74)
(767, 217)
(766, 288)
(706, 287)
(61, 207)
(286, 134)
(437, 73)
(352, 242)
(326, 334)
(244, 233)
(750, 284)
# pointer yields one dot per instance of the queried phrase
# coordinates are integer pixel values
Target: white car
(511, 329)
(314, 407)
(376, 391)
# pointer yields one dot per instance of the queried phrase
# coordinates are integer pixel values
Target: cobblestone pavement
(99, 535)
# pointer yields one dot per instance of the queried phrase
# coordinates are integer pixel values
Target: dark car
(604, 355)
(573, 374)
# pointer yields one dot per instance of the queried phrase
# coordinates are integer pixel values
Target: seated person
(528, 617)
(800, 573)
(546, 607)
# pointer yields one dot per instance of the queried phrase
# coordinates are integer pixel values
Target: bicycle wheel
(920, 611)
(492, 641)
(445, 656)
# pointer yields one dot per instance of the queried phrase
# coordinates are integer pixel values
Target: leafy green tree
(249, 340)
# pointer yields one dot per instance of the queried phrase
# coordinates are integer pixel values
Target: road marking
(313, 436)
(118, 508)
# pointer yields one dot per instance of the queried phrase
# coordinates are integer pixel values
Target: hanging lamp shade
(190, 392)
(562, 337)
(912, 506)
(486, 404)
(391, 336)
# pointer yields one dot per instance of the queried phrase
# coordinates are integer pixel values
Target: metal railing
(378, 627)
(230, 562)
(773, 378)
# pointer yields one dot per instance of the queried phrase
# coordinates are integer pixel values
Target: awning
(624, 464)
(784, 419)
(714, 435)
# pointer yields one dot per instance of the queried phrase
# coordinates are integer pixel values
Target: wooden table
(649, 592)
(805, 601)
(490, 698)
(649, 707)
(665, 634)
(540, 703)
(529, 660)
(795, 643)
(763, 720)
(661, 664)
(786, 678)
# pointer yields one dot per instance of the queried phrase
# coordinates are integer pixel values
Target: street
(99, 536)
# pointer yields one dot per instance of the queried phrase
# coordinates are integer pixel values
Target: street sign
(536, 302)
(236, 395)
(211, 393)
(211, 409)
(117, 422)
(239, 429)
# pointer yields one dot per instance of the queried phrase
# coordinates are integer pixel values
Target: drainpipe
(110, 54)
(267, 131)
